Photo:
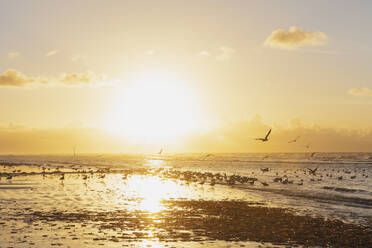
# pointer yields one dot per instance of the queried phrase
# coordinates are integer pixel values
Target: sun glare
(151, 190)
(154, 109)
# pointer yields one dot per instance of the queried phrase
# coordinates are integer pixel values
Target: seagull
(265, 157)
(312, 154)
(294, 140)
(307, 146)
(161, 150)
(312, 171)
(266, 137)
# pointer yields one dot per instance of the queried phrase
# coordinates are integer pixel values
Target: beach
(193, 200)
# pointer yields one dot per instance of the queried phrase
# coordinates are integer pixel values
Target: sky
(189, 76)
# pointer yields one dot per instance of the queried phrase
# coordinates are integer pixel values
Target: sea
(328, 185)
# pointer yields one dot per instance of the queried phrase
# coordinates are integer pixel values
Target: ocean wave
(347, 190)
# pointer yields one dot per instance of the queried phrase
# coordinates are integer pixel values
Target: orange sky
(125, 76)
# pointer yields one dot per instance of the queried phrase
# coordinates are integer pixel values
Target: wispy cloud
(360, 92)
(225, 53)
(88, 77)
(52, 53)
(20, 139)
(14, 78)
(239, 137)
(13, 55)
(232, 137)
(294, 38)
(203, 54)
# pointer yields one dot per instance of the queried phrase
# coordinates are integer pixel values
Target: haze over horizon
(210, 76)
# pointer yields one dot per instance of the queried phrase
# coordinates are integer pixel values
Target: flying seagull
(161, 150)
(266, 137)
(294, 140)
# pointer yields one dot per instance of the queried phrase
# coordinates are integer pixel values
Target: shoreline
(231, 221)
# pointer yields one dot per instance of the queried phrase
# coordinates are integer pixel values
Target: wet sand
(215, 221)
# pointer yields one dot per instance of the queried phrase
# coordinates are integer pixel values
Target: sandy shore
(217, 220)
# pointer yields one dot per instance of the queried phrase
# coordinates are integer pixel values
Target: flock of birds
(203, 178)
(199, 177)
(266, 138)
(224, 179)
(49, 171)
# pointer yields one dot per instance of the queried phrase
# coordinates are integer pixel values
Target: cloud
(225, 53)
(361, 92)
(82, 78)
(232, 137)
(13, 55)
(294, 38)
(53, 52)
(203, 54)
(14, 78)
(21, 140)
(239, 137)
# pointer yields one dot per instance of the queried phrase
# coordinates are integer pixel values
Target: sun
(155, 108)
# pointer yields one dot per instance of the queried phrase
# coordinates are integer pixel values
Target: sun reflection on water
(155, 162)
(151, 190)
(143, 192)
(149, 243)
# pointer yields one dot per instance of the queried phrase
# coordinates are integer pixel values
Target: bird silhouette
(294, 140)
(266, 137)
(312, 171)
(312, 154)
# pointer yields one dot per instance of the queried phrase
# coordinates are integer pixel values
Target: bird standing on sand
(294, 140)
(312, 171)
(266, 137)
(312, 154)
